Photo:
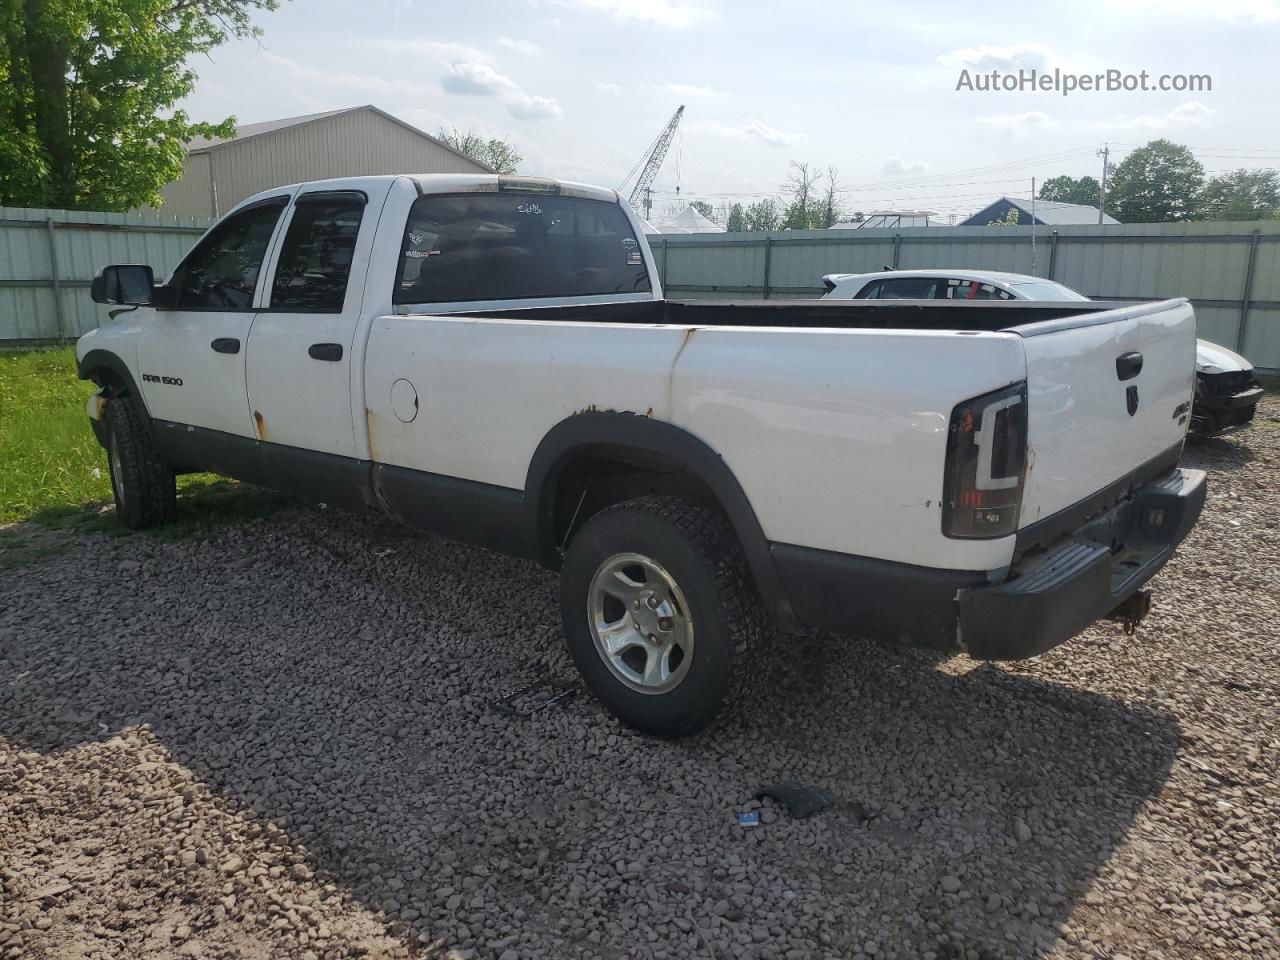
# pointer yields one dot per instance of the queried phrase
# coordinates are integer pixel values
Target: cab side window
(222, 271)
(315, 261)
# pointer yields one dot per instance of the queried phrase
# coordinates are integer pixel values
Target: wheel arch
(104, 367)
(646, 445)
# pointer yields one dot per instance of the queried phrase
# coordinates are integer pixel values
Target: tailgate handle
(1128, 365)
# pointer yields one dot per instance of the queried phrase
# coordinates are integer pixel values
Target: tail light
(986, 460)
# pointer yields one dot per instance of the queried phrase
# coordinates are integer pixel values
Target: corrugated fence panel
(38, 302)
(1207, 262)
(727, 267)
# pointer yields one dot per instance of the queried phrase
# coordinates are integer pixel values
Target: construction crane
(650, 164)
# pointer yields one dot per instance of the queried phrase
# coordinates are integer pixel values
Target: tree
(737, 220)
(1010, 219)
(831, 211)
(764, 215)
(87, 89)
(704, 208)
(1241, 195)
(804, 212)
(497, 153)
(1065, 189)
(1157, 183)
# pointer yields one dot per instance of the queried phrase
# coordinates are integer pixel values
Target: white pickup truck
(491, 359)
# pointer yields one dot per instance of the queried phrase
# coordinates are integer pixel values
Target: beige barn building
(340, 143)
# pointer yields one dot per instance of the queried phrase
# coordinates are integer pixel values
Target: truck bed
(987, 315)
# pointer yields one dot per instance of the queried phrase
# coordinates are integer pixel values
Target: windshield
(1046, 290)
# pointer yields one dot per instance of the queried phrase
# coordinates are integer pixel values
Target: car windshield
(1046, 290)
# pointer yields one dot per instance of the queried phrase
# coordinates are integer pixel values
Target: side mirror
(126, 284)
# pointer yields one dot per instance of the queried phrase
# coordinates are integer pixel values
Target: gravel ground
(279, 741)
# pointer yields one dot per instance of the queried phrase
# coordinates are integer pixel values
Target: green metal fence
(48, 259)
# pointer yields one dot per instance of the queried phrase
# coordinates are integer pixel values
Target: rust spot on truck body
(260, 424)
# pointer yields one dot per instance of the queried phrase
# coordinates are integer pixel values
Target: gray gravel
(279, 742)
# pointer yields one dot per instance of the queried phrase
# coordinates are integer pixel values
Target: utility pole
(648, 201)
(1105, 154)
(1033, 226)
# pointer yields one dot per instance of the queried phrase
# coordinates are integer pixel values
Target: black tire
(145, 490)
(697, 548)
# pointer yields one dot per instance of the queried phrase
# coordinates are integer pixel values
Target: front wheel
(143, 485)
(661, 616)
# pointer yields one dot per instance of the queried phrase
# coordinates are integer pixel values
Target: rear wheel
(144, 486)
(661, 616)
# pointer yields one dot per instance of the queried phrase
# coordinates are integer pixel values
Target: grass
(53, 472)
(48, 456)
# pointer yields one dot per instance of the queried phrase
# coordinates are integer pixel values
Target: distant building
(1048, 213)
(352, 142)
(890, 218)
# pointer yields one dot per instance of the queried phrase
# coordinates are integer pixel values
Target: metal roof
(247, 131)
(1049, 212)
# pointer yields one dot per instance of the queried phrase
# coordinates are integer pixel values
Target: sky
(582, 87)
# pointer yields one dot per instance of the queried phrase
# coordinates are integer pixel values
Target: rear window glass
(508, 246)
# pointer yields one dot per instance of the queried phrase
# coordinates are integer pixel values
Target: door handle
(1128, 365)
(332, 352)
(226, 345)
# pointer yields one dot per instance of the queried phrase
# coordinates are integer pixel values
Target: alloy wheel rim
(640, 623)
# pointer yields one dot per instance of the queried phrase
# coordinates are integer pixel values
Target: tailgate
(1091, 419)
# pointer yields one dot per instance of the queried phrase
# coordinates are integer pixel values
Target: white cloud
(1191, 114)
(521, 46)
(1017, 56)
(523, 106)
(664, 13)
(479, 79)
(896, 166)
(1018, 124)
(610, 88)
(758, 130)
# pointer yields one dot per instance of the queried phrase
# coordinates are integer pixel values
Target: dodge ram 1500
(490, 359)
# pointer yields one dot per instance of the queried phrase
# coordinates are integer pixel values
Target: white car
(490, 359)
(1227, 390)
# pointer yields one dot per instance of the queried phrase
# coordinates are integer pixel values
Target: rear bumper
(1054, 595)
(1090, 568)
